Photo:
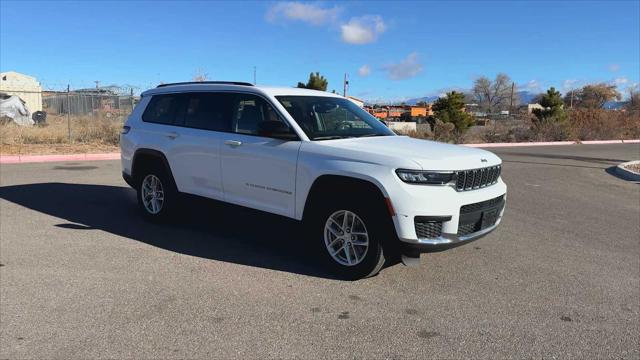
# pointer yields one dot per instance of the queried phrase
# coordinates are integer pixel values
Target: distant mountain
(427, 99)
(526, 97)
(614, 105)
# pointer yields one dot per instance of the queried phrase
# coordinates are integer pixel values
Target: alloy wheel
(152, 194)
(346, 238)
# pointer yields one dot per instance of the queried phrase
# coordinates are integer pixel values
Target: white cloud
(619, 82)
(312, 13)
(570, 84)
(614, 67)
(363, 29)
(405, 69)
(364, 70)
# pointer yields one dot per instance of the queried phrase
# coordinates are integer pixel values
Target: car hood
(429, 155)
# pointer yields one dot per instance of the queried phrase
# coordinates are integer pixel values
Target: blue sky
(391, 50)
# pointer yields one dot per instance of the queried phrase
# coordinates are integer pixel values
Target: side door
(195, 153)
(258, 171)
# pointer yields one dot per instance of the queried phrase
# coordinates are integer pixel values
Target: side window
(209, 111)
(251, 112)
(162, 109)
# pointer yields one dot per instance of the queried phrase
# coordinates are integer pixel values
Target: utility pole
(254, 75)
(571, 103)
(68, 114)
(513, 85)
(346, 84)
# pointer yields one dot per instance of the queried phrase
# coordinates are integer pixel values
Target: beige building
(531, 107)
(356, 101)
(25, 87)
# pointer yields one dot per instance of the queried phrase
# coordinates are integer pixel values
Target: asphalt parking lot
(83, 276)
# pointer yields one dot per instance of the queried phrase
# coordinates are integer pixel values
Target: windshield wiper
(332, 137)
(371, 135)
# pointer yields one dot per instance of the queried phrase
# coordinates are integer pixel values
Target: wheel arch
(337, 184)
(144, 155)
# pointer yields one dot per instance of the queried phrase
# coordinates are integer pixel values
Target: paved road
(84, 277)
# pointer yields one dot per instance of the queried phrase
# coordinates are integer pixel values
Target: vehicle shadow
(204, 229)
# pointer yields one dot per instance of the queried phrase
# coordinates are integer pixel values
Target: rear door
(258, 171)
(195, 152)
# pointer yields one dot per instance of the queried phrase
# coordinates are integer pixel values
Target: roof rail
(207, 83)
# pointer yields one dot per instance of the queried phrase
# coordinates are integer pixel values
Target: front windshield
(325, 118)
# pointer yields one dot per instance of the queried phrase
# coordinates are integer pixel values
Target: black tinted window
(209, 111)
(162, 109)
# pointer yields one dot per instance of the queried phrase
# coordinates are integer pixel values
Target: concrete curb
(628, 174)
(22, 159)
(554, 143)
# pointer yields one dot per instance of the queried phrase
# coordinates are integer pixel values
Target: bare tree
(200, 76)
(634, 97)
(494, 95)
(592, 96)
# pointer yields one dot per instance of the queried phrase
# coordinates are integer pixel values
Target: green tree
(552, 107)
(450, 109)
(315, 82)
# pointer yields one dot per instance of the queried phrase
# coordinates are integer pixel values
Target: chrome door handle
(233, 142)
(172, 135)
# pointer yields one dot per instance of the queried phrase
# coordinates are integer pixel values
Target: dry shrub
(598, 124)
(551, 131)
(444, 132)
(423, 131)
(499, 132)
(84, 130)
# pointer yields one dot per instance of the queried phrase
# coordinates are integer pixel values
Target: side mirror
(276, 129)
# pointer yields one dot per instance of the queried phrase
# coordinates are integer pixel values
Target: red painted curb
(22, 159)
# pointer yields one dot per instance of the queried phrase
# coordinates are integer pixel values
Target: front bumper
(457, 227)
(444, 242)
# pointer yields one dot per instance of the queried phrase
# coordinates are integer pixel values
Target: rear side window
(209, 111)
(162, 109)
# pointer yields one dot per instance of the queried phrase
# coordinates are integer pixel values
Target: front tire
(349, 235)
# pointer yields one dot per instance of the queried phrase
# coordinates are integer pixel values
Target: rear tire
(353, 248)
(157, 193)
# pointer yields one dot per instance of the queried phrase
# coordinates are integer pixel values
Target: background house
(24, 86)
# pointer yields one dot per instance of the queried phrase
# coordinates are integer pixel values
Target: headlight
(425, 177)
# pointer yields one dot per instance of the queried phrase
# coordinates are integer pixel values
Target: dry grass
(598, 124)
(101, 134)
(88, 135)
(589, 124)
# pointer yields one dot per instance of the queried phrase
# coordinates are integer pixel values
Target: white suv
(365, 194)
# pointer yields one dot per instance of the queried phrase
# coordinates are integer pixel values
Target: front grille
(480, 215)
(481, 205)
(477, 178)
(467, 229)
(428, 229)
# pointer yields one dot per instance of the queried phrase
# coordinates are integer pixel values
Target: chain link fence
(90, 117)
